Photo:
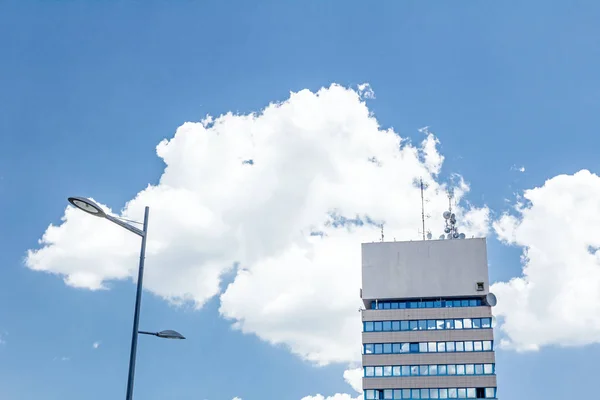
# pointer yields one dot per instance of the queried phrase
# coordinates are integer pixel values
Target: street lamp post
(92, 208)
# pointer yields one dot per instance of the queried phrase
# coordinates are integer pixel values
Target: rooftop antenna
(423, 216)
(450, 218)
(382, 232)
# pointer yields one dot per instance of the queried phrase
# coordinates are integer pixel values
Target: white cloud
(516, 168)
(237, 398)
(556, 300)
(95, 345)
(354, 378)
(251, 189)
(365, 91)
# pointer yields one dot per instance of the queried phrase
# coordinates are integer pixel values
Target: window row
(429, 370)
(428, 347)
(450, 393)
(427, 324)
(440, 303)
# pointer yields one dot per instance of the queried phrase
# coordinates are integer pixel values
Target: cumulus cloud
(556, 300)
(365, 91)
(286, 195)
(354, 378)
(95, 345)
(516, 168)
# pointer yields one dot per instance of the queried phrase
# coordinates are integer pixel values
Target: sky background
(89, 89)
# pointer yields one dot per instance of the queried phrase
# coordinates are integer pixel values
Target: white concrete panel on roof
(428, 268)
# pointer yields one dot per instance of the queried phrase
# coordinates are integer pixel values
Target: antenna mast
(423, 208)
(382, 232)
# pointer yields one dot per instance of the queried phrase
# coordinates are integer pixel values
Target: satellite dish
(453, 216)
(442, 237)
(462, 236)
(455, 235)
(447, 230)
(428, 235)
(490, 299)
(449, 236)
(446, 214)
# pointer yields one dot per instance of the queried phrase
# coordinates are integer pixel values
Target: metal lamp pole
(91, 207)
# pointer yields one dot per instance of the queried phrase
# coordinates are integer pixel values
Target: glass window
(473, 303)
(396, 371)
(414, 370)
(422, 325)
(450, 348)
(443, 393)
(387, 326)
(405, 370)
(424, 393)
(403, 325)
(488, 369)
(387, 371)
(404, 347)
(460, 346)
(430, 324)
(458, 324)
(368, 327)
(421, 304)
(486, 322)
(469, 369)
(378, 326)
(452, 393)
(469, 346)
(394, 306)
(478, 369)
(439, 324)
(460, 369)
(414, 347)
(467, 323)
(423, 347)
(464, 303)
(406, 393)
(370, 394)
(415, 394)
(429, 304)
(386, 306)
(462, 393)
(432, 347)
(447, 303)
(487, 345)
(413, 325)
(471, 393)
(395, 326)
(434, 394)
(388, 394)
(433, 370)
(441, 347)
(449, 324)
(478, 346)
(476, 323)
(378, 371)
(490, 393)
(387, 348)
(423, 370)
(369, 371)
(451, 369)
(413, 304)
(369, 349)
(378, 348)
(437, 304)
(456, 303)
(396, 348)
(442, 370)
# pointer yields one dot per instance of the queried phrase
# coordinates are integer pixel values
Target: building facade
(427, 322)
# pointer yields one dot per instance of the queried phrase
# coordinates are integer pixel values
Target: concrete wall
(420, 269)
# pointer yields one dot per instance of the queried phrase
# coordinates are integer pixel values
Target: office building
(427, 322)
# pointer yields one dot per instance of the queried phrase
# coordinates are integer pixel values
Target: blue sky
(89, 89)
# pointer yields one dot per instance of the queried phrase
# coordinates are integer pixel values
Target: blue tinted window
(394, 306)
(473, 303)
(486, 322)
(387, 348)
(421, 304)
(378, 326)
(414, 347)
(378, 349)
(396, 348)
(437, 304)
(368, 327)
(476, 323)
(430, 324)
(422, 325)
(386, 306)
(403, 325)
(456, 303)
(387, 326)
(413, 325)
(402, 305)
(413, 304)
(429, 304)
(373, 305)
(464, 303)
(369, 349)
(449, 324)
(395, 325)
